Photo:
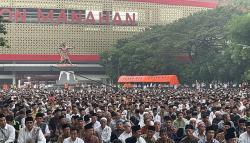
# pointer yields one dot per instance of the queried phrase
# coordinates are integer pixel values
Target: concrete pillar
(19, 84)
(14, 78)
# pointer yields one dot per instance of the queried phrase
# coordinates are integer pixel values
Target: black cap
(242, 121)
(2, 115)
(151, 128)
(136, 128)
(93, 114)
(204, 115)
(248, 123)
(39, 115)
(167, 118)
(28, 112)
(28, 119)
(189, 127)
(210, 128)
(131, 140)
(86, 118)
(9, 118)
(88, 126)
(75, 117)
(65, 126)
(230, 134)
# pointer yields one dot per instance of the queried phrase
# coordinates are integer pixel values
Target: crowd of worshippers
(103, 115)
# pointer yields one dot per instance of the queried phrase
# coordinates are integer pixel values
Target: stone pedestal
(66, 77)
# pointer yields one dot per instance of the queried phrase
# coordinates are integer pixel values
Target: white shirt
(23, 122)
(211, 117)
(9, 132)
(157, 118)
(244, 138)
(124, 114)
(141, 140)
(157, 135)
(97, 125)
(197, 135)
(141, 117)
(68, 117)
(25, 135)
(124, 136)
(68, 140)
(105, 133)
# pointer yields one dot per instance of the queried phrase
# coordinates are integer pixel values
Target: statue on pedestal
(64, 54)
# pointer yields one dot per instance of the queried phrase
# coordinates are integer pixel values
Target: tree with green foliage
(239, 33)
(2, 33)
(202, 36)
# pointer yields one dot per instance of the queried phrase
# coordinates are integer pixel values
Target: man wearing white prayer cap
(104, 131)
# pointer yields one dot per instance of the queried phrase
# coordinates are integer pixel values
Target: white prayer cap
(103, 118)
(217, 112)
(200, 123)
(151, 123)
(193, 119)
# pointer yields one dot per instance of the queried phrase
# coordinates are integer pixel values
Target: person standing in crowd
(156, 116)
(65, 133)
(157, 126)
(43, 126)
(30, 133)
(11, 121)
(73, 137)
(54, 125)
(190, 138)
(192, 122)
(171, 130)
(80, 126)
(205, 119)
(217, 118)
(117, 131)
(226, 118)
(144, 129)
(241, 128)
(89, 135)
(127, 132)
(210, 134)
(180, 122)
(104, 132)
(245, 137)
(201, 132)
(230, 136)
(96, 124)
(136, 135)
(164, 137)
(149, 136)
(21, 117)
(221, 136)
(247, 117)
(7, 132)
(234, 115)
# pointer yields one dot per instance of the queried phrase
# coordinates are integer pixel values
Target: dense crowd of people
(100, 114)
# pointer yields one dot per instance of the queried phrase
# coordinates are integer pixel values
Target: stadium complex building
(36, 29)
